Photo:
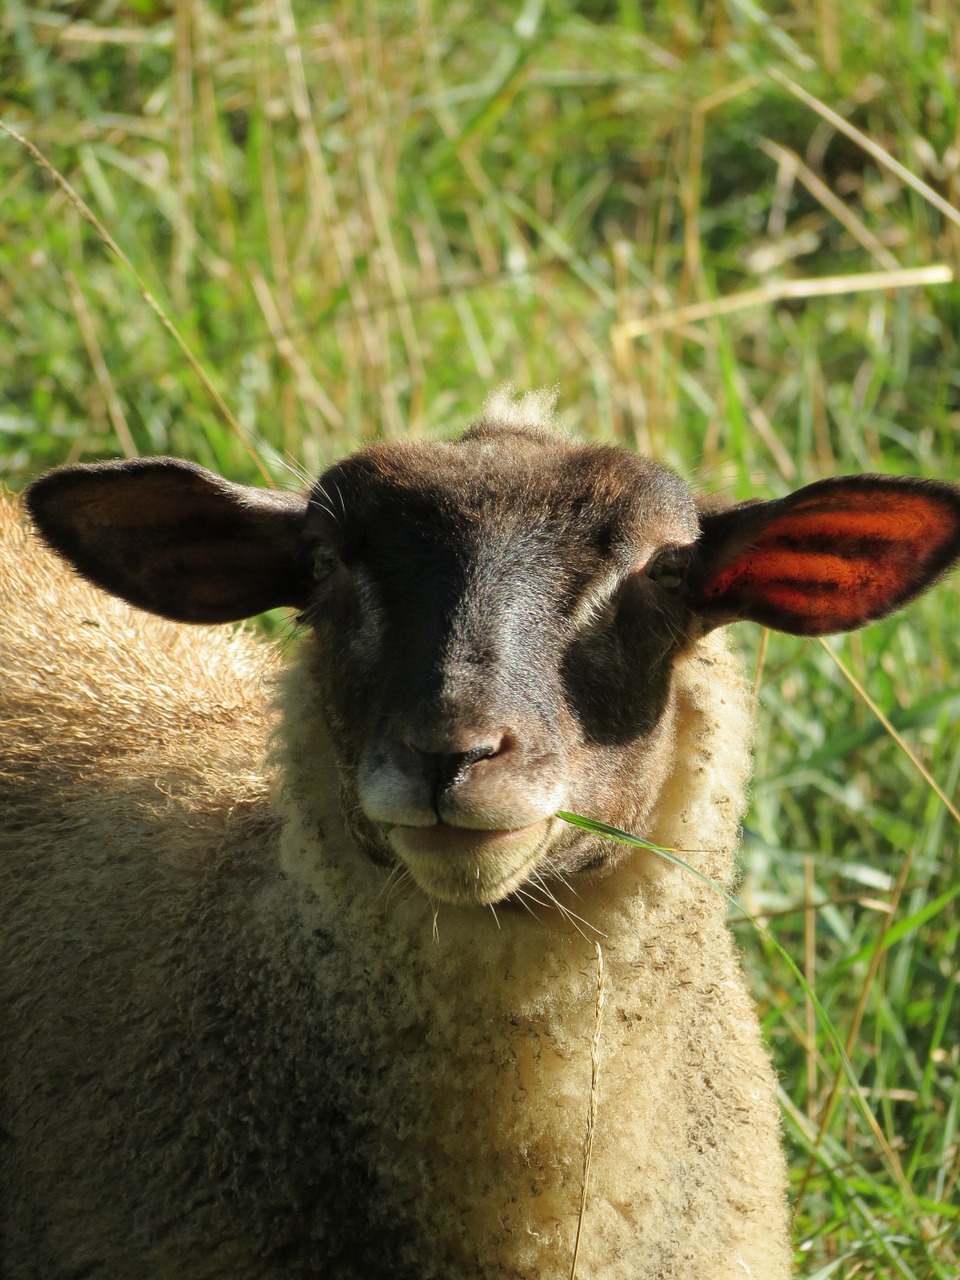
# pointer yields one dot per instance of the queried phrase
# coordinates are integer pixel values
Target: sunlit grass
(362, 216)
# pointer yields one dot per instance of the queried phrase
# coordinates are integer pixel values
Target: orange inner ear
(831, 590)
(831, 563)
(907, 518)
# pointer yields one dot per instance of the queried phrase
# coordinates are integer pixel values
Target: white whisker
(565, 911)
(327, 504)
(524, 898)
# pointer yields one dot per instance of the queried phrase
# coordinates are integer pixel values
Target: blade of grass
(90, 217)
(773, 291)
(901, 743)
(872, 148)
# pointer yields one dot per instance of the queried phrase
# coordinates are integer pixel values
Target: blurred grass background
(363, 216)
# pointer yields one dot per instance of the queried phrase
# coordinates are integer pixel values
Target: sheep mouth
(464, 865)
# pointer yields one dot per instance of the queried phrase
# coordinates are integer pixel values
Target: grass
(362, 216)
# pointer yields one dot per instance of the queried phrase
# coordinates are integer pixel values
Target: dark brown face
(498, 617)
(497, 621)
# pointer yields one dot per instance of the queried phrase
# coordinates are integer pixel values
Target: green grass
(361, 217)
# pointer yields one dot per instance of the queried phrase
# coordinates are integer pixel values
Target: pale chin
(464, 866)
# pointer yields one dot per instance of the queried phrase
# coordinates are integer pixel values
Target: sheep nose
(445, 761)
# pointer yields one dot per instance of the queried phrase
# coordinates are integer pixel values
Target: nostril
(483, 752)
(451, 766)
(465, 745)
(446, 758)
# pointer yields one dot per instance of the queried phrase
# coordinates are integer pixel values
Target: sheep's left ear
(828, 558)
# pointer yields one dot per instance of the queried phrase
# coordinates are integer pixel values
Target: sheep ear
(828, 558)
(174, 538)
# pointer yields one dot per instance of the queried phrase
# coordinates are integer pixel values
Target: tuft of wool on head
(533, 410)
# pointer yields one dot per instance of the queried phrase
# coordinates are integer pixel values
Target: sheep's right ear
(174, 538)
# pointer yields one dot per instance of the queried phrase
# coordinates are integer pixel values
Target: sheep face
(497, 619)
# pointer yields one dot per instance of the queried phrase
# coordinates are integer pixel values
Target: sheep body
(232, 1050)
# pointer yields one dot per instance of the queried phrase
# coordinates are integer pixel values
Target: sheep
(300, 965)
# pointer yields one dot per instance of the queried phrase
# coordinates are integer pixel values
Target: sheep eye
(323, 561)
(668, 567)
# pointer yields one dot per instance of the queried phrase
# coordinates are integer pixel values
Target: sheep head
(497, 619)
